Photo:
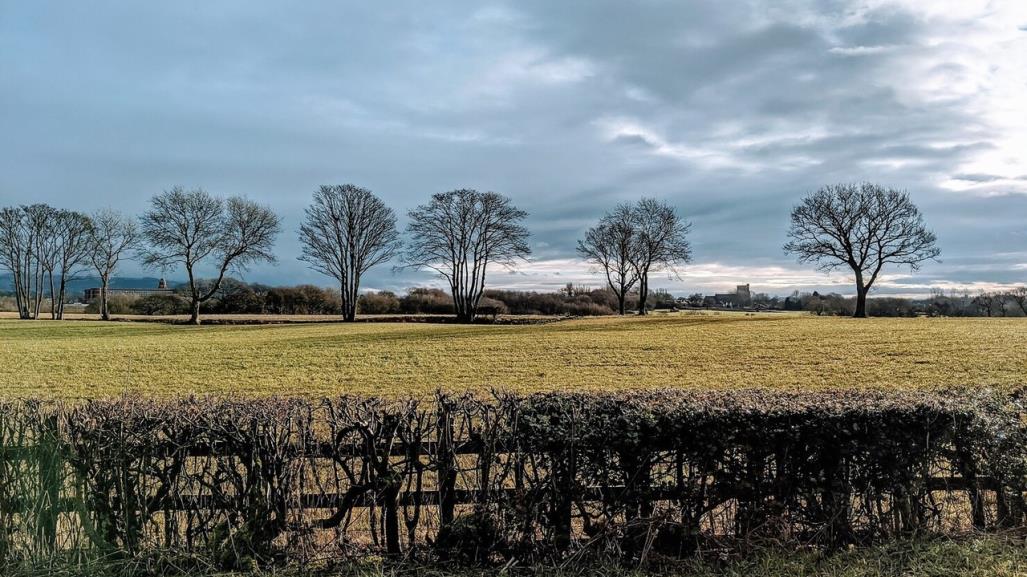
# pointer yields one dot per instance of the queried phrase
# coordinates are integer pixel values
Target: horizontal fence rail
(491, 479)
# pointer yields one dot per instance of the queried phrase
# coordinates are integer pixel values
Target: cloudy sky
(728, 110)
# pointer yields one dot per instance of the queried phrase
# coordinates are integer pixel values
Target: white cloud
(862, 50)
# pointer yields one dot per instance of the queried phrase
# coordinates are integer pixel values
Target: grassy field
(80, 359)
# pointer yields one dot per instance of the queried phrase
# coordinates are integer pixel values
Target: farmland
(88, 359)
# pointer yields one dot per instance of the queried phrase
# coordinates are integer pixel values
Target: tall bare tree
(458, 234)
(863, 227)
(28, 250)
(609, 245)
(16, 242)
(112, 237)
(193, 228)
(661, 243)
(347, 230)
(40, 218)
(71, 251)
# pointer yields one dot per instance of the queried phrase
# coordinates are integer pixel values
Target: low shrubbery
(623, 477)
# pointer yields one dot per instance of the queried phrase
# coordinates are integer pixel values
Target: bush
(378, 303)
(160, 305)
(430, 301)
(117, 304)
(8, 304)
(302, 300)
(569, 302)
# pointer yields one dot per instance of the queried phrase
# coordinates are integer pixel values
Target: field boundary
(537, 476)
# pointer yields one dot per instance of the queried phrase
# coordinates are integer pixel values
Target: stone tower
(743, 295)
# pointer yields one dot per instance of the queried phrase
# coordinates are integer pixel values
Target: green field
(80, 359)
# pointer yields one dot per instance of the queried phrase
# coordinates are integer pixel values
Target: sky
(729, 111)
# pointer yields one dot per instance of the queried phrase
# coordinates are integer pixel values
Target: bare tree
(661, 243)
(609, 246)
(111, 237)
(28, 251)
(862, 226)
(193, 228)
(72, 248)
(40, 220)
(458, 234)
(347, 231)
(985, 302)
(1019, 296)
(16, 243)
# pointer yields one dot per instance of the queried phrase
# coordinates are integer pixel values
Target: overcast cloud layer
(728, 110)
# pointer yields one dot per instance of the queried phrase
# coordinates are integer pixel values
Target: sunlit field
(86, 359)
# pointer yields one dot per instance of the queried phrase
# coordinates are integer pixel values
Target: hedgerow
(249, 482)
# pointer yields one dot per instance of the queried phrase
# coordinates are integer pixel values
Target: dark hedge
(548, 476)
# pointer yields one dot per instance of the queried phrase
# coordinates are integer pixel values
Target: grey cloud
(108, 104)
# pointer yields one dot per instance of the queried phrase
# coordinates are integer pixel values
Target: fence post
(565, 470)
(447, 464)
(967, 468)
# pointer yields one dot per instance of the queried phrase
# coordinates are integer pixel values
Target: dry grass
(977, 556)
(79, 359)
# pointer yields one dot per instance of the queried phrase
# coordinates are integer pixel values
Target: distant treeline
(1012, 303)
(237, 297)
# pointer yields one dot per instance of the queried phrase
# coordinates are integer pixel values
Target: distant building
(162, 289)
(740, 299)
(743, 296)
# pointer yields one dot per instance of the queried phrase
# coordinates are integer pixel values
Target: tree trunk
(620, 303)
(861, 303)
(105, 313)
(53, 298)
(643, 293)
(350, 304)
(61, 298)
(462, 306)
(194, 317)
(344, 296)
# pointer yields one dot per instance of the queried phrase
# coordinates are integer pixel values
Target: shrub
(302, 300)
(378, 303)
(117, 304)
(427, 301)
(8, 304)
(160, 305)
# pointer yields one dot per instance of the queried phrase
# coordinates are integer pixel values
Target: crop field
(87, 359)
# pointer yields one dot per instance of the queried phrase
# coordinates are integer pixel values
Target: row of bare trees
(997, 303)
(45, 248)
(346, 231)
(42, 245)
(458, 234)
